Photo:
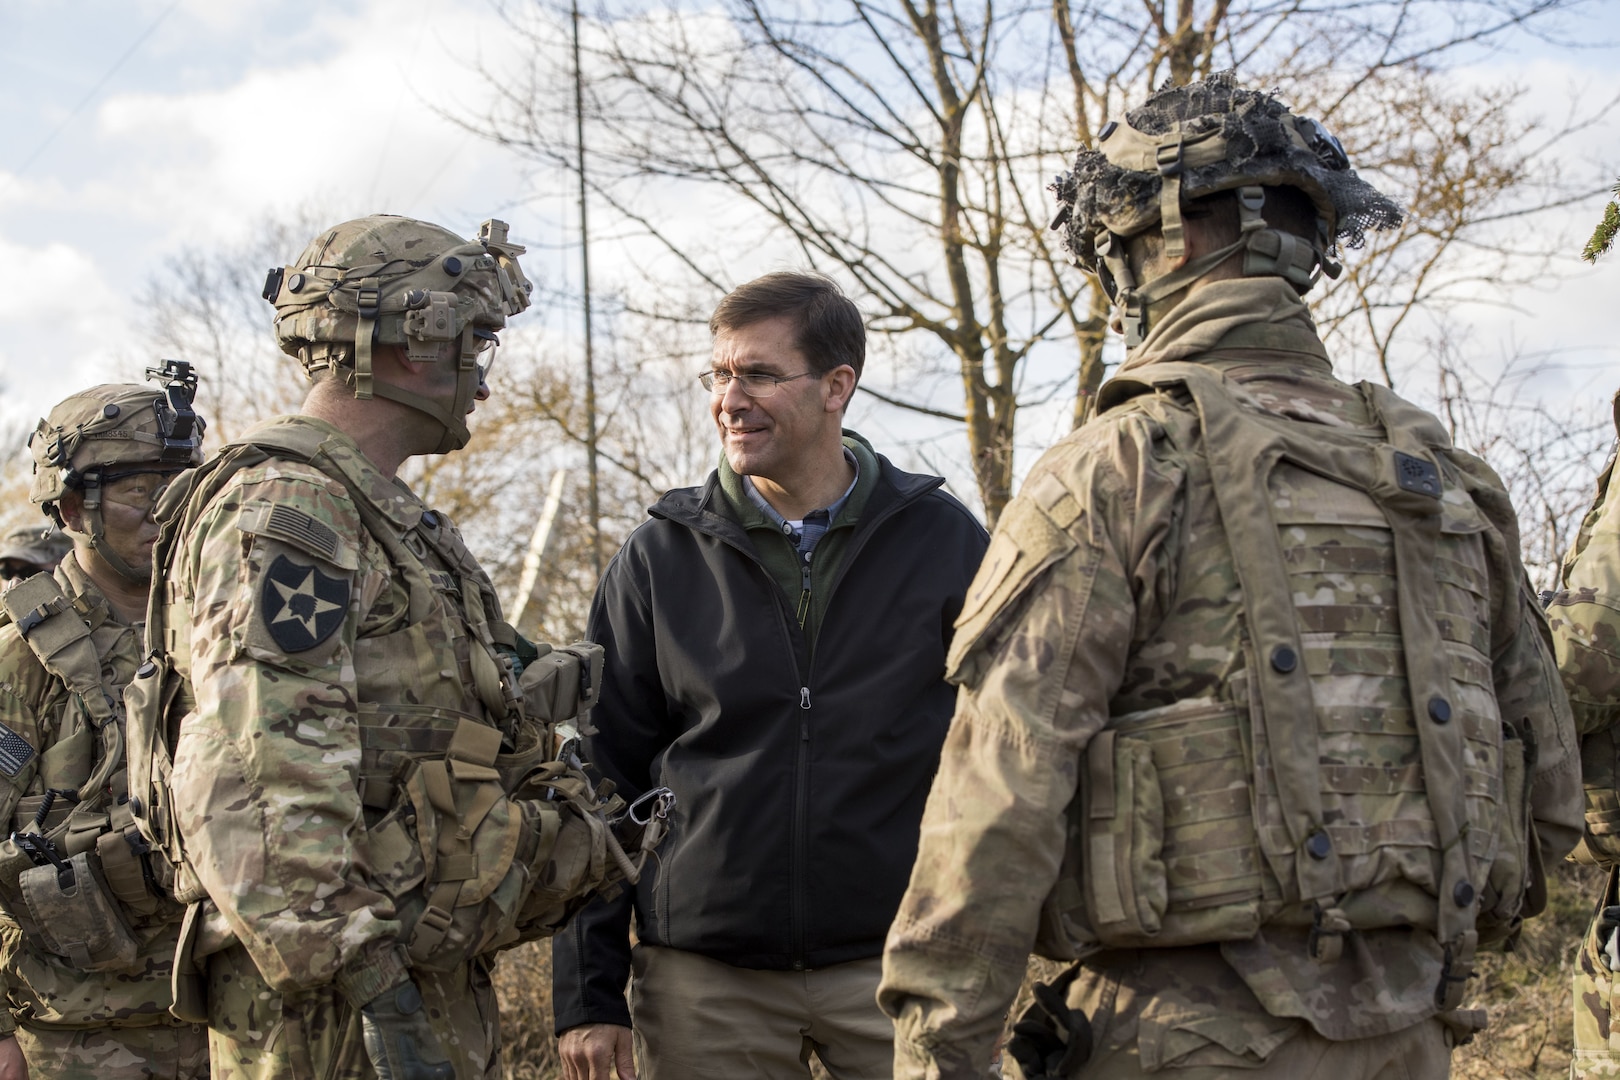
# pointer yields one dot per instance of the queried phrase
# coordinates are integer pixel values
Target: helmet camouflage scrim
(387, 280)
(1186, 142)
(108, 432)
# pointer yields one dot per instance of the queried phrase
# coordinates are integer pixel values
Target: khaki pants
(701, 1019)
(161, 1051)
(1183, 1014)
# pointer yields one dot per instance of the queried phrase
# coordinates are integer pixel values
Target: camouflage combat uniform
(72, 1023)
(1585, 618)
(1108, 646)
(323, 649)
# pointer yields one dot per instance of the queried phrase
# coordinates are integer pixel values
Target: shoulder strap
(50, 623)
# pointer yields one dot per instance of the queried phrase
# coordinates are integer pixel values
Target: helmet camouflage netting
(1231, 137)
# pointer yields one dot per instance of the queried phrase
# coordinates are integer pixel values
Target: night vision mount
(182, 428)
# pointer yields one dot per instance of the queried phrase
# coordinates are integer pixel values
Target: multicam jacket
(1109, 646)
(1585, 619)
(45, 989)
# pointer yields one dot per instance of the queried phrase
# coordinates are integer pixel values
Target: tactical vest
(74, 873)
(475, 828)
(1353, 772)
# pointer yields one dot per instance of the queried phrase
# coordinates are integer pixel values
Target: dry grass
(1526, 993)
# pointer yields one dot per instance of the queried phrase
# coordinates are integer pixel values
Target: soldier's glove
(399, 1041)
(1050, 1040)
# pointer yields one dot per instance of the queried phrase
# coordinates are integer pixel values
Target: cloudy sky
(136, 128)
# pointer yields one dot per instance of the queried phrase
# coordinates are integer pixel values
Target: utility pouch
(75, 917)
(1516, 886)
(468, 832)
(188, 981)
(1169, 853)
(562, 684)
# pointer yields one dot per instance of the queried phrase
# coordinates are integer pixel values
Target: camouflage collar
(313, 437)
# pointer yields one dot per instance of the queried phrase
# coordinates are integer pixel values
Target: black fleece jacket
(800, 768)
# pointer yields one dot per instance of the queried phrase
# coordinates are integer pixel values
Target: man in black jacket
(776, 647)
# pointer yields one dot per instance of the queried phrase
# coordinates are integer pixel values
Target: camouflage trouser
(1597, 1048)
(254, 1033)
(1184, 1013)
(169, 1052)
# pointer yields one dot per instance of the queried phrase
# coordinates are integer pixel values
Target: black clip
(272, 283)
(43, 852)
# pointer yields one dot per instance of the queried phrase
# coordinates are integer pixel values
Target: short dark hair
(827, 326)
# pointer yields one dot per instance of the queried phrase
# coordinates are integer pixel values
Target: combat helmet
(35, 545)
(107, 432)
(387, 280)
(1186, 142)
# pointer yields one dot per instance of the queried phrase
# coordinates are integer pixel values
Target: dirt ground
(1526, 993)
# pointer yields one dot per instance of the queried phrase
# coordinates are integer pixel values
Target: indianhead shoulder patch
(300, 605)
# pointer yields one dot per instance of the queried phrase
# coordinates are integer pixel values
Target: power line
(91, 95)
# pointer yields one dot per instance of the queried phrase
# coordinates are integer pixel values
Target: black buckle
(369, 297)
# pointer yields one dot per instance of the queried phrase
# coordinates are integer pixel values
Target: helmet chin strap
(95, 531)
(453, 417)
(1267, 252)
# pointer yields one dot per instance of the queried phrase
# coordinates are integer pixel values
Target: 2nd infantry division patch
(301, 606)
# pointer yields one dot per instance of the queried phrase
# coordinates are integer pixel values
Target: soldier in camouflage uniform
(1585, 619)
(70, 644)
(1258, 720)
(364, 785)
(31, 550)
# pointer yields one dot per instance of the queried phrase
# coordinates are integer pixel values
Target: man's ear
(839, 387)
(71, 507)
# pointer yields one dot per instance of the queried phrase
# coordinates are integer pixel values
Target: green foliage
(1603, 236)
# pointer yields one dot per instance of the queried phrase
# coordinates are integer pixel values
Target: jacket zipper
(801, 829)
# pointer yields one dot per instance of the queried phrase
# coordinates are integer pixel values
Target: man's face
(769, 436)
(128, 494)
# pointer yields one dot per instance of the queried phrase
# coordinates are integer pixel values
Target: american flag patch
(14, 751)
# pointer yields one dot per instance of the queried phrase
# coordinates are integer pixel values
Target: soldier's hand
(12, 1065)
(399, 1041)
(597, 1052)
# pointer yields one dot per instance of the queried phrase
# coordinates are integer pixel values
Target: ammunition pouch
(482, 850)
(76, 888)
(74, 916)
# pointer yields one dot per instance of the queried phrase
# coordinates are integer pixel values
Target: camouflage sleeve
(1585, 620)
(1585, 617)
(266, 766)
(1040, 647)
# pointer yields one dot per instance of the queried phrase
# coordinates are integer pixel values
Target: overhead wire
(90, 95)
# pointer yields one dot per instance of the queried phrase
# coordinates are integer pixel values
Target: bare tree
(903, 146)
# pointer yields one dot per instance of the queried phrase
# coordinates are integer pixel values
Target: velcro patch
(304, 532)
(300, 605)
(15, 752)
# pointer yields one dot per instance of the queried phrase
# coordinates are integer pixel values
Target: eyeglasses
(138, 489)
(718, 382)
